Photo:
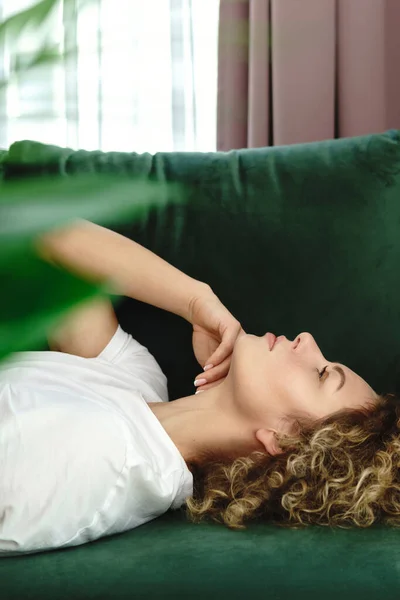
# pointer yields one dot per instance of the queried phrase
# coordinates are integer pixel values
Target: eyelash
(321, 373)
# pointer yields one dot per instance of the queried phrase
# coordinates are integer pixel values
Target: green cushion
(167, 559)
(295, 238)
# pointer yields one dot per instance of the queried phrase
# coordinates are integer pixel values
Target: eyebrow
(342, 377)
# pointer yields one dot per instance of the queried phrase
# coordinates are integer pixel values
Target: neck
(207, 422)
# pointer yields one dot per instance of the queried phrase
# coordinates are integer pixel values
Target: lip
(273, 340)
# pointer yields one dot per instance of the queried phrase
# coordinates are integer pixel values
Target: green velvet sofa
(295, 238)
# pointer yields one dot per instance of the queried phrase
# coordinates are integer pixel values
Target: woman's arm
(86, 330)
(101, 255)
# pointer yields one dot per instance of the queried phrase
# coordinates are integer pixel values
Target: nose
(297, 340)
(305, 341)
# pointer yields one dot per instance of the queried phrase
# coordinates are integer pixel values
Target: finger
(216, 372)
(208, 386)
(225, 348)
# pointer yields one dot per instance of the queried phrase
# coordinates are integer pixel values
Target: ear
(267, 437)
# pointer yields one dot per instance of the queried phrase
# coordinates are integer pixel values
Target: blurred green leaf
(34, 16)
(23, 63)
(45, 55)
(37, 293)
(29, 207)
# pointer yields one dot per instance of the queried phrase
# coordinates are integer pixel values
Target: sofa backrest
(296, 238)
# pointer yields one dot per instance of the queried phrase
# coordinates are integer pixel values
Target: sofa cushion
(170, 559)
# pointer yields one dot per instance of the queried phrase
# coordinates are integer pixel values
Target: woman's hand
(215, 331)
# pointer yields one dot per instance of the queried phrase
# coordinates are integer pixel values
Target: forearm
(101, 255)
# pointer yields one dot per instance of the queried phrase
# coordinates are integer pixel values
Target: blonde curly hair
(340, 471)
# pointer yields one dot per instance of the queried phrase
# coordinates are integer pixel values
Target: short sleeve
(127, 353)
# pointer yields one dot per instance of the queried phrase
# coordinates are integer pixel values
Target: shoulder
(135, 359)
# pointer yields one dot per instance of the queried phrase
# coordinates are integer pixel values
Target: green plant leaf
(35, 296)
(34, 293)
(24, 63)
(34, 16)
(31, 206)
(45, 55)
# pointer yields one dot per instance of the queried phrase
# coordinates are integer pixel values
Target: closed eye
(321, 373)
(339, 370)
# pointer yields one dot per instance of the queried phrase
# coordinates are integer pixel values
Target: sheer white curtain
(144, 79)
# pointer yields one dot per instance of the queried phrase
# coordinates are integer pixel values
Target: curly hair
(339, 471)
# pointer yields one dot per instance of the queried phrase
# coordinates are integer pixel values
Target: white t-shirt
(82, 455)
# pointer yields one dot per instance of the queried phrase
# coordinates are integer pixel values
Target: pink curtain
(293, 71)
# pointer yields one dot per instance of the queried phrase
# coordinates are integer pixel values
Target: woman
(92, 447)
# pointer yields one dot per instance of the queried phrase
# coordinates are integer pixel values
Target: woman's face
(274, 385)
